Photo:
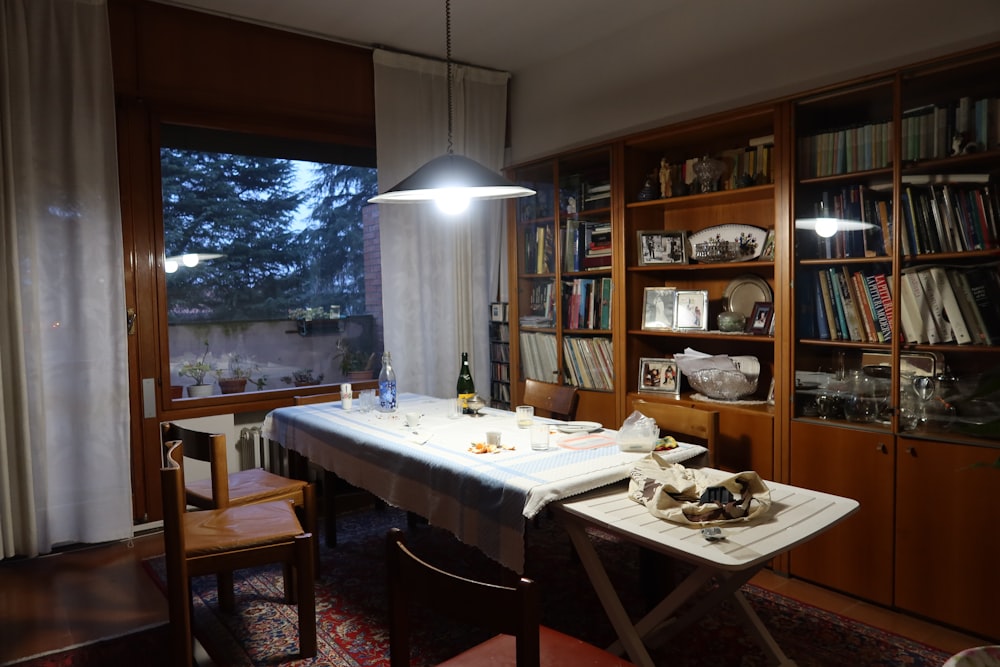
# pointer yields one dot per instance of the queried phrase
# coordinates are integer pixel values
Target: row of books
(587, 303)
(854, 202)
(949, 217)
(589, 362)
(845, 150)
(500, 395)
(541, 306)
(539, 249)
(586, 245)
(841, 304)
(752, 165)
(500, 332)
(946, 304)
(500, 371)
(938, 131)
(539, 358)
(500, 352)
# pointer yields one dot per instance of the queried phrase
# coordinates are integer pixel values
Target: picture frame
(659, 376)
(770, 393)
(691, 310)
(759, 322)
(767, 248)
(659, 246)
(658, 306)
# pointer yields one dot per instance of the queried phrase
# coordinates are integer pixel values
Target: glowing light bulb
(452, 201)
(826, 227)
(170, 266)
(190, 260)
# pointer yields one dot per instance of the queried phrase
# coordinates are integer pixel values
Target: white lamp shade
(451, 176)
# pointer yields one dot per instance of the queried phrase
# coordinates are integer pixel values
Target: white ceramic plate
(580, 427)
(744, 291)
(748, 240)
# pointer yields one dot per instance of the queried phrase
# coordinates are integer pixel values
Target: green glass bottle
(466, 387)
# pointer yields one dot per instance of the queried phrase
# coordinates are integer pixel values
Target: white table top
(484, 499)
(796, 515)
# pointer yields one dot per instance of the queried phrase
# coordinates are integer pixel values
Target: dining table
(721, 561)
(436, 471)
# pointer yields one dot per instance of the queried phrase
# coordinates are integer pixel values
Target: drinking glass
(539, 434)
(525, 415)
(923, 386)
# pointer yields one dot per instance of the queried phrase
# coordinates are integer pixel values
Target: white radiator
(252, 448)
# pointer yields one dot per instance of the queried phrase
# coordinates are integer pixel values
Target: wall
(653, 82)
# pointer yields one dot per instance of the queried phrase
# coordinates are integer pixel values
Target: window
(268, 283)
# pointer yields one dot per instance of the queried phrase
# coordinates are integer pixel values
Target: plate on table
(744, 291)
(580, 427)
(727, 243)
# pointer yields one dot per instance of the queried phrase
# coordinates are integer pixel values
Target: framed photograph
(659, 376)
(691, 310)
(759, 323)
(770, 393)
(659, 304)
(662, 247)
(767, 249)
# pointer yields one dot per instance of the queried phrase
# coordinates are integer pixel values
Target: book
(935, 308)
(836, 333)
(909, 311)
(984, 283)
(888, 309)
(866, 307)
(966, 302)
(849, 303)
(951, 312)
(806, 317)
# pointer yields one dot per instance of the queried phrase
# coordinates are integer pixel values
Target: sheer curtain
(439, 273)
(64, 454)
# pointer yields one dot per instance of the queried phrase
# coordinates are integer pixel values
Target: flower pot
(200, 390)
(306, 383)
(232, 385)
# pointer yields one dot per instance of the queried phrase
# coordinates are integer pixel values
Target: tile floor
(83, 595)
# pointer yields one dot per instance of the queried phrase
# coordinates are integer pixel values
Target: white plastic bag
(638, 433)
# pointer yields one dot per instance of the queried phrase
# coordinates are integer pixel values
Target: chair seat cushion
(557, 649)
(247, 486)
(209, 531)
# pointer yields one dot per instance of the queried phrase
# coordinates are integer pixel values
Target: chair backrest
(700, 427)
(201, 446)
(316, 398)
(174, 506)
(501, 609)
(558, 401)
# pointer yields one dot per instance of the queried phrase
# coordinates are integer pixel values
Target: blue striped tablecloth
(484, 499)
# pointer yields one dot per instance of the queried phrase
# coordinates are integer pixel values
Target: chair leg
(179, 611)
(306, 593)
(330, 507)
(224, 587)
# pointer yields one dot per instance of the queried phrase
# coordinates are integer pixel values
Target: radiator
(252, 449)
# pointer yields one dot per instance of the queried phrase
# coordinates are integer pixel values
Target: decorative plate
(580, 427)
(744, 291)
(727, 243)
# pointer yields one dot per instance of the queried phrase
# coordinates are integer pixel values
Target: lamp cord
(451, 111)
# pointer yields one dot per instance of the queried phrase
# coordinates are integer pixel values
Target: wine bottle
(387, 385)
(466, 387)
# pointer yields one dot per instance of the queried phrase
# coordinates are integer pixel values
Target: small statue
(648, 191)
(666, 190)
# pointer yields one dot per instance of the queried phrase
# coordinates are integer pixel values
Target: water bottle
(387, 385)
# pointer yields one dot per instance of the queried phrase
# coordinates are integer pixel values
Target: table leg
(330, 508)
(759, 631)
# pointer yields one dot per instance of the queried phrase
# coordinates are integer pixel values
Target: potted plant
(302, 377)
(241, 368)
(355, 364)
(197, 370)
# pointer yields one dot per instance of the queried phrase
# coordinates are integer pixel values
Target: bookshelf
(562, 242)
(896, 300)
(499, 356)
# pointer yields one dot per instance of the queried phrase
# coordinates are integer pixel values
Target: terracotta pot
(232, 385)
(361, 375)
(176, 390)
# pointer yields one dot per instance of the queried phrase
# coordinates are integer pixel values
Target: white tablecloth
(484, 499)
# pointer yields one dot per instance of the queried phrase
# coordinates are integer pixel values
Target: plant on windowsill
(240, 370)
(303, 377)
(197, 370)
(355, 364)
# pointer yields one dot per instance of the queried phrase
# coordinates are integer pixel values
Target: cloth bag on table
(675, 493)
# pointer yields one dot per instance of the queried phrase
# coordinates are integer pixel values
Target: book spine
(910, 313)
(935, 308)
(850, 306)
(887, 307)
(949, 305)
(967, 304)
(829, 305)
(823, 325)
(865, 307)
(984, 291)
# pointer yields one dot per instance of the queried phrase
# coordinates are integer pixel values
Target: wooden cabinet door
(856, 556)
(947, 523)
(746, 440)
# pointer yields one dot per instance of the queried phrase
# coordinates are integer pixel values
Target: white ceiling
(590, 69)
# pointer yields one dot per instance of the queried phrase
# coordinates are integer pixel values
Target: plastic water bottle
(387, 385)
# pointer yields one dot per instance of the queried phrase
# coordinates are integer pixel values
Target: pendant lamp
(826, 225)
(451, 180)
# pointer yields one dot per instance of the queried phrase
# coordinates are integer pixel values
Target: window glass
(265, 261)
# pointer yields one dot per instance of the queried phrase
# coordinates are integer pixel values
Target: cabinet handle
(881, 448)
(912, 451)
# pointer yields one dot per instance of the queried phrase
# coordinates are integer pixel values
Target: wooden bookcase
(911, 546)
(499, 356)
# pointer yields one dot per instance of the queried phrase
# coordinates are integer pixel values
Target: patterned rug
(350, 608)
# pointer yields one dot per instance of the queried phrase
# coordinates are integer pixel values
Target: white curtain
(64, 454)
(439, 273)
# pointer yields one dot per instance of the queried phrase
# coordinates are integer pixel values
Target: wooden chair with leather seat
(227, 538)
(557, 401)
(685, 423)
(513, 612)
(241, 487)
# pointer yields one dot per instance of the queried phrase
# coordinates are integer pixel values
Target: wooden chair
(513, 612)
(230, 537)
(243, 487)
(557, 401)
(686, 424)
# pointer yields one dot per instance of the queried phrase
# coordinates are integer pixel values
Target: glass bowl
(722, 384)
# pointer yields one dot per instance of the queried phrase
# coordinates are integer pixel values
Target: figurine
(648, 191)
(666, 190)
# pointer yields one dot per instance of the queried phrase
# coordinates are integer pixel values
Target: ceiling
(633, 64)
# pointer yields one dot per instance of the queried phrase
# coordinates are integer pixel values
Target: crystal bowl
(722, 384)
